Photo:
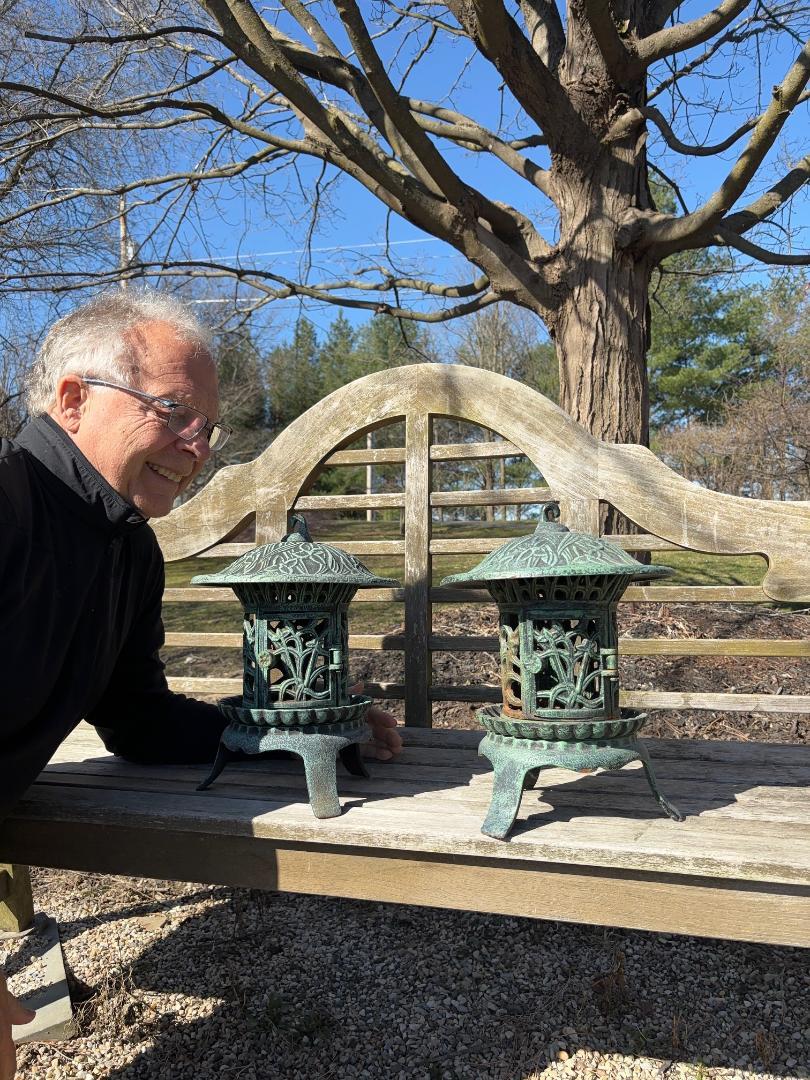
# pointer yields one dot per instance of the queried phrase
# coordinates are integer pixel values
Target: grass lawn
(692, 568)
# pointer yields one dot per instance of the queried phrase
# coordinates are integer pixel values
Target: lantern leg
(320, 772)
(224, 755)
(670, 810)
(512, 775)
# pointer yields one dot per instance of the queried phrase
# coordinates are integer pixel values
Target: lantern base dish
(301, 715)
(318, 747)
(564, 731)
(517, 763)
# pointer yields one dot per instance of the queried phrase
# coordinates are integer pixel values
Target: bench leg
(16, 901)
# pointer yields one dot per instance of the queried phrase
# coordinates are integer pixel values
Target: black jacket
(81, 581)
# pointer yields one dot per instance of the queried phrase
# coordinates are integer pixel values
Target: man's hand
(11, 1012)
(386, 741)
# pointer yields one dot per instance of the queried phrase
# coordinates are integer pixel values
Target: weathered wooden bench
(593, 849)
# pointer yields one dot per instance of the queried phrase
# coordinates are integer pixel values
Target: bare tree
(587, 94)
(761, 445)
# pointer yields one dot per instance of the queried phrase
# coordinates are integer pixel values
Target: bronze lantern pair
(295, 650)
(557, 593)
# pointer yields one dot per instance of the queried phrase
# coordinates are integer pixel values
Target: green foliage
(707, 340)
(294, 376)
(241, 387)
(543, 370)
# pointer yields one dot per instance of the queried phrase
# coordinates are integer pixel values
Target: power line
(336, 247)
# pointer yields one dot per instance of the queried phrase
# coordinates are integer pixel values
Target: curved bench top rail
(580, 470)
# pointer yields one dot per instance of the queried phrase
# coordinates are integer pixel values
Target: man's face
(129, 443)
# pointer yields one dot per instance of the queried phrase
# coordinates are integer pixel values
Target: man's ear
(71, 395)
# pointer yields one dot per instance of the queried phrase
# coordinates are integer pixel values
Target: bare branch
(745, 30)
(402, 131)
(768, 203)
(478, 139)
(121, 39)
(500, 39)
(545, 29)
(686, 35)
(306, 20)
(284, 288)
(618, 59)
(726, 237)
(668, 234)
(674, 143)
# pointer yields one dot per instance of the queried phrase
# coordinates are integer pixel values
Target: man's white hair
(96, 339)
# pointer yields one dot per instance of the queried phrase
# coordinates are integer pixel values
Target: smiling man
(124, 401)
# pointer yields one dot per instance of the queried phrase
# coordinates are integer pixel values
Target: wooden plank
(17, 902)
(474, 451)
(641, 542)
(205, 687)
(388, 455)
(490, 497)
(713, 647)
(741, 793)
(418, 615)
(627, 646)
(226, 551)
(204, 641)
(468, 546)
(698, 594)
(395, 455)
(461, 745)
(197, 594)
(754, 703)
(392, 500)
(378, 642)
(641, 840)
(659, 594)
(685, 904)
(379, 596)
(635, 699)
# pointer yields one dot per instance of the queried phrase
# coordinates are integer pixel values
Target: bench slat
(627, 646)
(659, 594)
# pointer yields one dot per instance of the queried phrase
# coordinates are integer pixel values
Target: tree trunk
(601, 336)
(601, 327)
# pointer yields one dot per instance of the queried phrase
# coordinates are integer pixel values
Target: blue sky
(245, 226)
(354, 228)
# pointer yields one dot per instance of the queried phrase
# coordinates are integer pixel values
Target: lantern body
(295, 644)
(558, 647)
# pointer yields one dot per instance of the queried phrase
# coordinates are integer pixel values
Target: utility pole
(369, 475)
(126, 249)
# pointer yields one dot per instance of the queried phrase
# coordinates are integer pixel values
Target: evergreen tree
(294, 376)
(707, 344)
(336, 354)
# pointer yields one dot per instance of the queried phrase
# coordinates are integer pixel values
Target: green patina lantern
(557, 593)
(295, 649)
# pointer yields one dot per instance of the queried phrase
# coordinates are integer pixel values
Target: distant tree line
(729, 382)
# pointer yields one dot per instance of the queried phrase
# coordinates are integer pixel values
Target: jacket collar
(77, 481)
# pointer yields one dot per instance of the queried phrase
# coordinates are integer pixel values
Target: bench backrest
(579, 470)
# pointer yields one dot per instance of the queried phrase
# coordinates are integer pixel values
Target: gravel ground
(194, 982)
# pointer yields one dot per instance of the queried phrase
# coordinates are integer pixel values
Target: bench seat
(586, 848)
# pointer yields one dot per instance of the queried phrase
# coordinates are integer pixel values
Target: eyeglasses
(184, 421)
